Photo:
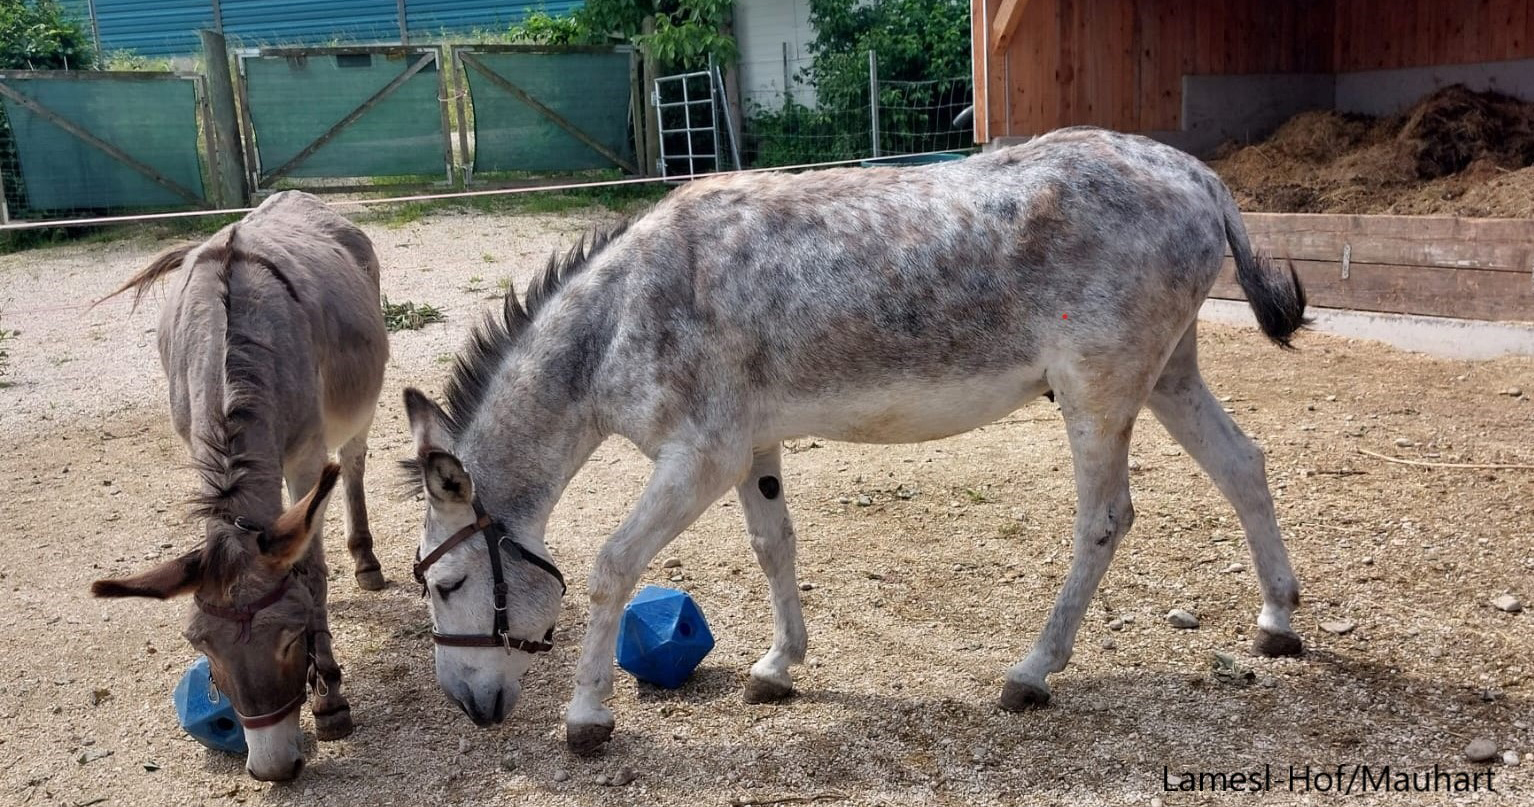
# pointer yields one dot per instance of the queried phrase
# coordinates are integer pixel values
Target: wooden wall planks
(1120, 63)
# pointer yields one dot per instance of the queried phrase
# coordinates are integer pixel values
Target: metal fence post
(873, 100)
(404, 24)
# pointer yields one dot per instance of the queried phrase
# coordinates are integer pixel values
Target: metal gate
(347, 112)
(546, 108)
(689, 108)
(88, 141)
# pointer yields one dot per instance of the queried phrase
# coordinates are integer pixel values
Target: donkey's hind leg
(1099, 418)
(773, 541)
(1195, 419)
(359, 538)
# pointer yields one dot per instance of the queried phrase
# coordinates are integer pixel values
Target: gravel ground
(921, 598)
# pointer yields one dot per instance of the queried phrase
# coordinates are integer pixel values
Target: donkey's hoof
(1272, 644)
(587, 739)
(1019, 697)
(760, 690)
(371, 580)
(334, 725)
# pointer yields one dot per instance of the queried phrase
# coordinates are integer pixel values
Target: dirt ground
(920, 600)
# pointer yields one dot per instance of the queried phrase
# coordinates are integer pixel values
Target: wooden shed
(1197, 72)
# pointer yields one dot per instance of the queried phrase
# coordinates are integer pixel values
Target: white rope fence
(427, 197)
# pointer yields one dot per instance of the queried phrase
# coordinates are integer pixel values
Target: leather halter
(244, 615)
(495, 540)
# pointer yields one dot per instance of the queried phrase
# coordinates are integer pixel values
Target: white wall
(762, 27)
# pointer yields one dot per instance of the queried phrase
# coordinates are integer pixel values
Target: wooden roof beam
(1005, 25)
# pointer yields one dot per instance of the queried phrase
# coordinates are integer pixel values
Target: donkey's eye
(444, 591)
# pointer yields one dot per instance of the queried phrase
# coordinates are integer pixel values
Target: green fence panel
(295, 99)
(151, 120)
(592, 91)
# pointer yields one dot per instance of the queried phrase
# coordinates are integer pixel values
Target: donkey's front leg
(1100, 449)
(359, 538)
(773, 540)
(332, 713)
(685, 482)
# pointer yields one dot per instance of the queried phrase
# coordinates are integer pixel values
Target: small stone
(1367, 560)
(1341, 627)
(1513, 392)
(1134, 465)
(873, 575)
(1155, 802)
(1481, 750)
(1109, 644)
(1129, 619)
(844, 500)
(602, 779)
(1402, 442)
(1234, 568)
(151, 766)
(463, 745)
(1508, 603)
(624, 776)
(1116, 625)
(672, 563)
(1510, 758)
(91, 755)
(508, 763)
(677, 578)
(864, 500)
(806, 586)
(99, 696)
(1179, 618)
(561, 775)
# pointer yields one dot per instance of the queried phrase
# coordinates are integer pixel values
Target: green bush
(687, 32)
(42, 35)
(913, 41)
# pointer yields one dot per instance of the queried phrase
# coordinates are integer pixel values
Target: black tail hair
(1277, 297)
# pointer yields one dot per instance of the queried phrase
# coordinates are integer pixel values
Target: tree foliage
(687, 32)
(925, 41)
(42, 35)
(913, 40)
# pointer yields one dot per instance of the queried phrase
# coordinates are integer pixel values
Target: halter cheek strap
(495, 540)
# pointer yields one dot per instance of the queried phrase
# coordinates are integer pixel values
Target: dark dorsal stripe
(266, 263)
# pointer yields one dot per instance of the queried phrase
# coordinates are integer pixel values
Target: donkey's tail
(1276, 296)
(162, 265)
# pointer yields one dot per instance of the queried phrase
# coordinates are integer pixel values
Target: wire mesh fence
(800, 122)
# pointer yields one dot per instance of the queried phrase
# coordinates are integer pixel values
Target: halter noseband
(244, 615)
(495, 539)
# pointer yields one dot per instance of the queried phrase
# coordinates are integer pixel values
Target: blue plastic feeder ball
(205, 713)
(663, 637)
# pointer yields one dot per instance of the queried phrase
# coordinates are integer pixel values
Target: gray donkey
(868, 305)
(274, 346)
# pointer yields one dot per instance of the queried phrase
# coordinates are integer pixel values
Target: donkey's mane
(478, 363)
(226, 465)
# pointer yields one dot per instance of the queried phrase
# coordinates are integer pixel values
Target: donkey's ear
(428, 423)
(288, 539)
(169, 579)
(446, 480)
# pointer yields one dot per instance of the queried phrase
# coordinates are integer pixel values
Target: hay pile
(1456, 152)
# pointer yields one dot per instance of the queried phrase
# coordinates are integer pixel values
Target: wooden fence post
(652, 115)
(224, 139)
